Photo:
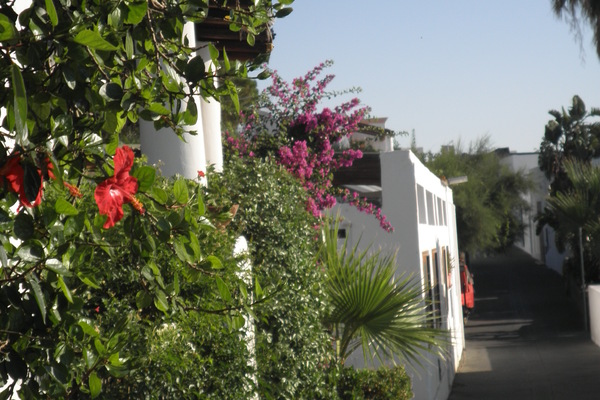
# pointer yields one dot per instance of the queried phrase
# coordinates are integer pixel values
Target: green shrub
(292, 346)
(382, 384)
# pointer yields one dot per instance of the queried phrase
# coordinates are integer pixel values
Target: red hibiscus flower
(117, 190)
(13, 173)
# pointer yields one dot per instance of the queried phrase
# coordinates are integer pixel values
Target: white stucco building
(542, 247)
(420, 207)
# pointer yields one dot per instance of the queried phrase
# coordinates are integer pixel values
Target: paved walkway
(525, 339)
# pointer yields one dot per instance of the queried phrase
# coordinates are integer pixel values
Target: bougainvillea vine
(287, 125)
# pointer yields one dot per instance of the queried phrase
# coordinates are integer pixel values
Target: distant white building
(542, 247)
(420, 207)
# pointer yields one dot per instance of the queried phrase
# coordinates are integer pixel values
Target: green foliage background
(489, 205)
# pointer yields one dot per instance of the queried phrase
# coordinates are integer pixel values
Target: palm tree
(588, 9)
(370, 307)
(580, 208)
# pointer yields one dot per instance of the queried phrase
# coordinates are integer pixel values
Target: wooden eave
(364, 171)
(215, 29)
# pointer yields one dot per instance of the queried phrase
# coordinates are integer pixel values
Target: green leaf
(118, 371)
(111, 91)
(180, 191)
(114, 359)
(63, 207)
(59, 372)
(115, 18)
(88, 329)
(129, 46)
(264, 75)
(145, 176)
(113, 143)
(215, 263)
(51, 12)
(226, 63)
(250, 39)
(233, 94)
(20, 103)
(159, 109)
(23, 228)
(69, 77)
(214, 53)
(89, 282)
(223, 290)
(160, 195)
(93, 40)
(194, 245)
(160, 301)
(7, 29)
(56, 266)
(238, 322)
(147, 273)
(38, 294)
(99, 346)
(65, 289)
(283, 12)
(257, 289)
(195, 70)
(143, 299)
(136, 11)
(95, 384)
(201, 206)
(3, 257)
(31, 251)
(190, 115)
(181, 250)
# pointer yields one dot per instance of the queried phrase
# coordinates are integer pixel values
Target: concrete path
(525, 339)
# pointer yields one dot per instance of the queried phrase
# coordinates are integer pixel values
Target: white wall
(401, 172)
(542, 247)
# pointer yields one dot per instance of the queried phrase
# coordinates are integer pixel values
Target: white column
(211, 121)
(245, 272)
(173, 155)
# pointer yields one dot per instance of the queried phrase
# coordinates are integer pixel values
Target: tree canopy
(589, 10)
(572, 134)
(571, 141)
(488, 205)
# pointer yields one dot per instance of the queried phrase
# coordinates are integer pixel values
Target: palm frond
(372, 308)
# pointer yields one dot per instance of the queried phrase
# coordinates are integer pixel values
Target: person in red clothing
(467, 291)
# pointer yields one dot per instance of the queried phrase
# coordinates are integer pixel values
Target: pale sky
(450, 70)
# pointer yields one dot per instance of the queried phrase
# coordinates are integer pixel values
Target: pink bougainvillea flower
(13, 173)
(119, 189)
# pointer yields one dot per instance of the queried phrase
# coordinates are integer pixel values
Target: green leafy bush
(114, 283)
(381, 384)
(292, 346)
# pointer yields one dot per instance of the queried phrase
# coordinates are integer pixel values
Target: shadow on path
(525, 338)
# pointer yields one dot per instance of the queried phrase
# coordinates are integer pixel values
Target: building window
(428, 286)
(430, 209)
(436, 291)
(441, 211)
(421, 205)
